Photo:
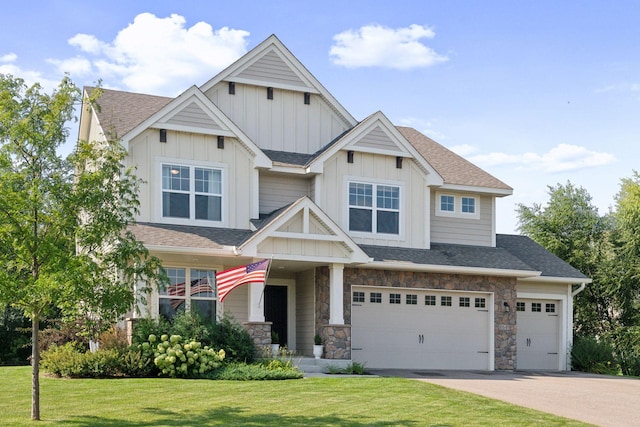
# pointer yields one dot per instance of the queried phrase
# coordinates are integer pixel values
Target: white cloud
(77, 66)
(158, 55)
(378, 46)
(464, 149)
(9, 57)
(561, 158)
(8, 66)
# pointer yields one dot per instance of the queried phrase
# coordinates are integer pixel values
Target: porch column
(256, 302)
(336, 311)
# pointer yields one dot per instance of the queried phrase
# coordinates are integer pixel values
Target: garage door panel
(387, 335)
(538, 336)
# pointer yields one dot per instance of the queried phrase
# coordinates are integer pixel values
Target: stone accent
(260, 333)
(337, 341)
(503, 289)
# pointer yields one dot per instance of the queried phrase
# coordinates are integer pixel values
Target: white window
(191, 192)
(459, 206)
(189, 289)
(369, 214)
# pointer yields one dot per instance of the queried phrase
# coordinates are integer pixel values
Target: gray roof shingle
(188, 236)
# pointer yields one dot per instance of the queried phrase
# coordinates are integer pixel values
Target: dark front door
(275, 310)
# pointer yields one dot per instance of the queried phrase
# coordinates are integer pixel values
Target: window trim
(457, 205)
(191, 164)
(375, 183)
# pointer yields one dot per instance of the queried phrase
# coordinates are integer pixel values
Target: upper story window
(374, 208)
(457, 206)
(191, 192)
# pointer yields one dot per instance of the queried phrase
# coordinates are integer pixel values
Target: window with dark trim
(536, 307)
(394, 299)
(445, 301)
(411, 299)
(520, 306)
(375, 297)
(465, 301)
(358, 296)
(480, 303)
(429, 300)
(550, 308)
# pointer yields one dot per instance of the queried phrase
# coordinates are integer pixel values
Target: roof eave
(452, 269)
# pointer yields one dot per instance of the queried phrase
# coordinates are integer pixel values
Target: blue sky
(535, 92)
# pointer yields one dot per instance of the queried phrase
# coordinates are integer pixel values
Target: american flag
(228, 280)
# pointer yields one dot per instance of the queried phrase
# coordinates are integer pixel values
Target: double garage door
(420, 329)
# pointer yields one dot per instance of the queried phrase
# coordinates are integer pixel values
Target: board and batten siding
(277, 191)
(284, 123)
(145, 152)
(377, 169)
(463, 231)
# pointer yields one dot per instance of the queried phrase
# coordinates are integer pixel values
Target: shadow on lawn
(227, 416)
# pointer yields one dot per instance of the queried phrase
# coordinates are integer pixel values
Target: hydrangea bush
(178, 357)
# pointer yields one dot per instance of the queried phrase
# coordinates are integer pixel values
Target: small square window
(429, 300)
(480, 303)
(358, 297)
(468, 205)
(536, 307)
(394, 298)
(465, 301)
(445, 301)
(550, 308)
(412, 299)
(447, 203)
(520, 306)
(375, 297)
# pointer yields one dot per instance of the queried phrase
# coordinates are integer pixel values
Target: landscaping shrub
(15, 337)
(626, 344)
(591, 355)
(68, 361)
(234, 339)
(272, 370)
(137, 362)
(148, 326)
(178, 357)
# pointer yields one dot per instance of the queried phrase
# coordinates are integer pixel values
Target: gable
(377, 140)
(193, 116)
(269, 70)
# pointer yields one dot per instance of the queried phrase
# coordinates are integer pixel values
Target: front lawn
(330, 401)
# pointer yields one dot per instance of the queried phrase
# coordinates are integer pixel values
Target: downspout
(580, 289)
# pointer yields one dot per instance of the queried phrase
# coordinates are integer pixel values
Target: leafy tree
(570, 227)
(64, 238)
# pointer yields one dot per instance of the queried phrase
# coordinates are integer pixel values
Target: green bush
(177, 357)
(272, 370)
(234, 339)
(591, 355)
(148, 326)
(137, 362)
(626, 344)
(68, 361)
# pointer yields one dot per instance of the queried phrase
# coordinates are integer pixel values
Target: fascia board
(564, 280)
(225, 250)
(432, 268)
(500, 192)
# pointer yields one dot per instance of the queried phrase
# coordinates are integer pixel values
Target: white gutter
(580, 289)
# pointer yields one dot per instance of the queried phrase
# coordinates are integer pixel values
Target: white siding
(272, 69)
(277, 191)
(461, 230)
(377, 168)
(192, 115)
(146, 150)
(284, 123)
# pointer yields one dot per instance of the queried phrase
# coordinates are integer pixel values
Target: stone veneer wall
(260, 333)
(339, 336)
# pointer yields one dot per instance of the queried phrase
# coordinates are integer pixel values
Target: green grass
(329, 401)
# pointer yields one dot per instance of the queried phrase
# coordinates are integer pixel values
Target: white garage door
(416, 329)
(538, 338)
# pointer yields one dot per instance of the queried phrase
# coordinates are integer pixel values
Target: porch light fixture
(350, 156)
(506, 306)
(163, 135)
(220, 142)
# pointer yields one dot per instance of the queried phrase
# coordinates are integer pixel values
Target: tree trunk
(35, 369)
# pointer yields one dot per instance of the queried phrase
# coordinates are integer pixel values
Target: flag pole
(264, 284)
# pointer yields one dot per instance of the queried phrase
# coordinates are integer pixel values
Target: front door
(275, 310)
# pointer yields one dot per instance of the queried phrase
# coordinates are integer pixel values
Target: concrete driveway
(596, 399)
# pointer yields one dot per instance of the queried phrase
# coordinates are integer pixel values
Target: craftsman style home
(380, 239)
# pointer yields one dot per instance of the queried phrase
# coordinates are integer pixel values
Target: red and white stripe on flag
(230, 279)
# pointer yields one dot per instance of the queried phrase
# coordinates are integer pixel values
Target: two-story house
(380, 239)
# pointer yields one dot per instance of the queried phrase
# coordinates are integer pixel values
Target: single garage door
(538, 336)
(420, 329)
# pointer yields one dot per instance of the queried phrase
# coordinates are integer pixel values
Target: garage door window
(445, 301)
(520, 306)
(480, 303)
(412, 299)
(358, 297)
(429, 300)
(536, 307)
(394, 298)
(465, 302)
(375, 297)
(550, 308)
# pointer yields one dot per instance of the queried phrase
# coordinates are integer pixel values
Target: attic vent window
(163, 135)
(399, 162)
(220, 142)
(307, 98)
(232, 88)
(349, 156)
(269, 93)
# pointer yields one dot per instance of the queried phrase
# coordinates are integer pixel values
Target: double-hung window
(191, 192)
(374, 208)
(189, 289)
